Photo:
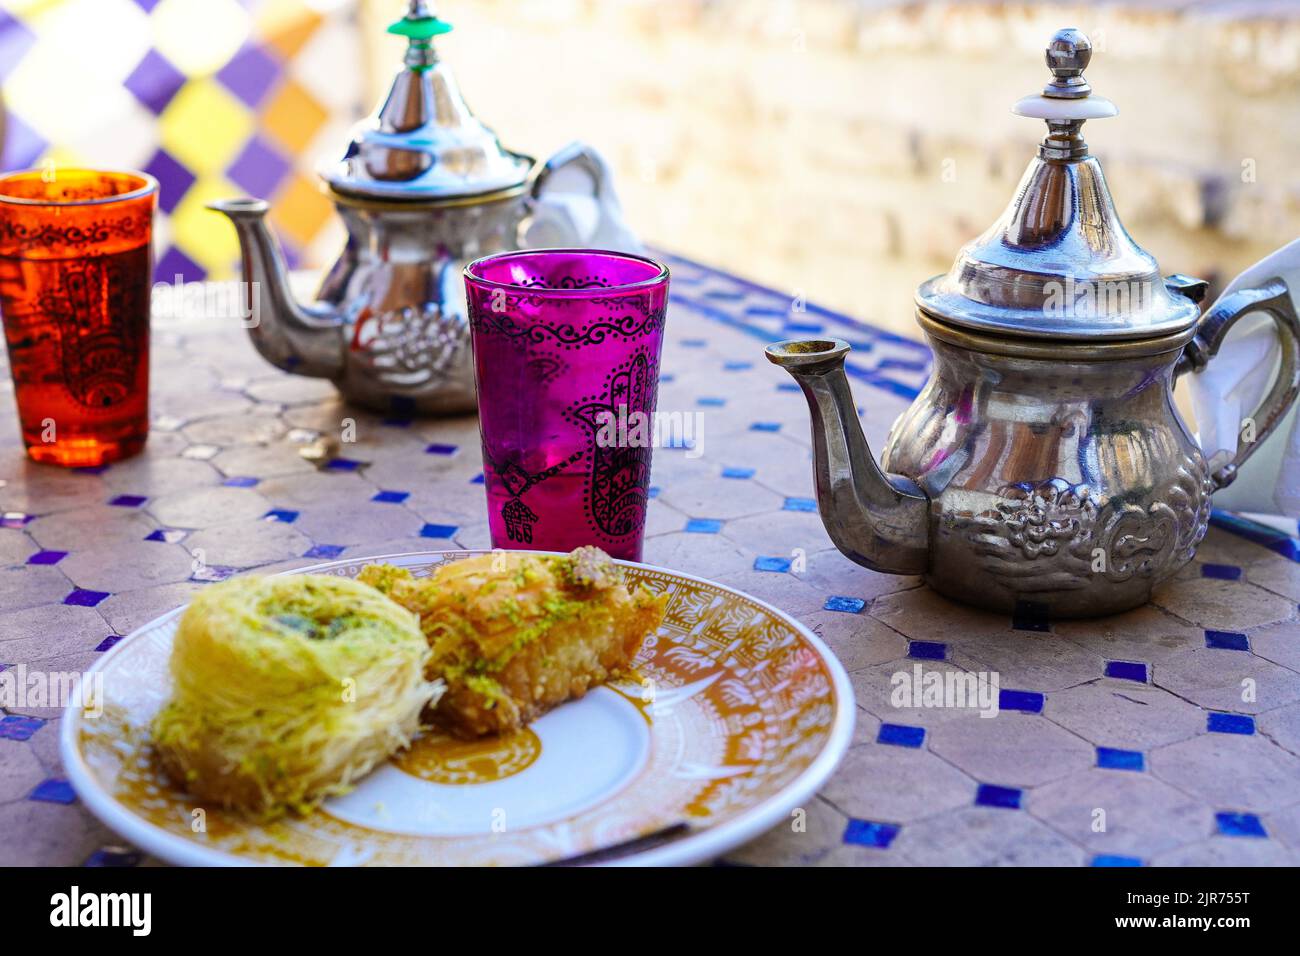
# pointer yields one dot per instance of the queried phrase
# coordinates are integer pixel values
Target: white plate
(742, 715)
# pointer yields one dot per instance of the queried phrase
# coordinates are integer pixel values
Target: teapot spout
(306, 339)
(876, 519)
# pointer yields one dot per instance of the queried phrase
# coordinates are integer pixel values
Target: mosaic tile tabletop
(1166, 736)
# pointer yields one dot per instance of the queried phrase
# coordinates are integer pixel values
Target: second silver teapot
(423, 189)
(1044, 463)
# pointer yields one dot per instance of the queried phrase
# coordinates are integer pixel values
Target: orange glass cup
(75, 281)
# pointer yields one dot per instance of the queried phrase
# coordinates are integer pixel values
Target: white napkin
(1230, 389)
(575, 211)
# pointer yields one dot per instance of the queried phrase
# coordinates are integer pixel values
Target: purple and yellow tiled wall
(214, 98)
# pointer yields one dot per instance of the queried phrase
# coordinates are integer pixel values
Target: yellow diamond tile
(205, 236)
(205, 127)
(199, 36)
(293, 117)
(300, 210)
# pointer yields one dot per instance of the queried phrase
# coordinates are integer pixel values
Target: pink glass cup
(566, 355)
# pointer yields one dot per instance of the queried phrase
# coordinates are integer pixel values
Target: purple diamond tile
(147, 5)
(167, 535)
(927, 650)
(128, 501)
(23, 146)
(154, 82)
(250, 74)
(1127, 670)
(991, 795)
(259, 168)
(327, 551)
(175, 264)
(281, 514)
(438, 530)
(344, 464)
(47, 557)
(82, 597)
(112, 856)
(241, 481)
(391, 497)
(53, 790)
(15, 519)
(107, 642)
(1226, 641)
(437, 449)
(174, 180)
(15, 40)
(1221, 572)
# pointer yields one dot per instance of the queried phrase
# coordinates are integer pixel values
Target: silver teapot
(1044, 464)
(423, 188)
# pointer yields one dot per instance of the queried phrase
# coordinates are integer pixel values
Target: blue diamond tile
(13, 727)
(114, 857)
(869, 833)
(47, 557)
(1110, 758)
(779, 565)
(82, 597)
(900, 735)
(438, 449)
(91, 469)
(711, 402)
(765, 427)
(241, 481)
(846, 605)
(166, 535)
(391, 497)
(15, 519)
(737, 366)
(107, 642)
(1025, 701)
(653, 491)
(1226, 641)
(438, 531)
(283, 515)
(788, 387)
(128, 501)
(693, 343)
(1111, 859)
(327, 551)
(1127, 670)
(1217, 723)
(800, 504)
(398, 421)
(1240, 825)
(990, 795)
(343, 464)
(704, 526)
(738, 473)
(927, 650)
(477, 479)
(1030, 616)
(53, 790)
(1221, 572)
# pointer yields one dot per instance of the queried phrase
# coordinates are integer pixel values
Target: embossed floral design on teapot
(1044, 462)
(423, 188)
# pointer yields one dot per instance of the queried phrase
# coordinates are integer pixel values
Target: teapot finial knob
(1068, 54)
(420, 26)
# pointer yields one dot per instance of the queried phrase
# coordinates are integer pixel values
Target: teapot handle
(1273, 298)
(576, 154)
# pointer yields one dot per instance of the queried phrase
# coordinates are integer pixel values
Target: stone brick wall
(845, 150)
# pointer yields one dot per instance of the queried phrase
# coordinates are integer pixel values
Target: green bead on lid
(420, 28)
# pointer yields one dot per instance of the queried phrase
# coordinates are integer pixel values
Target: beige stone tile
(1282, 726)
(1277, 575)
(49, 834)
(985, 836)
(208, 506)
(1223, 605)
(129, 610)
(779, 533)
(1010, 749)
(125, 567)
(248, 543)
(32, 585)
(858, 640)
(1234, 681)
(715, 497)
(319, 491)
(875, 688)
(1120, 812)
(94, 527)
(1279, 643)
(1230, 771)
(1284, 826)
(704, 555)
(1146, 634)
(1124, 714)
(270, 460)
(153, 475)
(15, 547)
(1228, 851)
(896, 785)
(357, 522)
(780, 589)
(248, 426)
(55, 630)
(20, 771)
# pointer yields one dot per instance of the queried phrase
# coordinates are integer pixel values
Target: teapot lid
(1058, 264)
(423, 143)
